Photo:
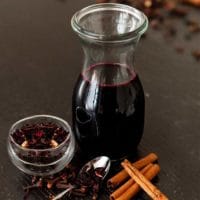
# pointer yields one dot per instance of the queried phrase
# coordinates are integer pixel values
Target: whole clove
(196, 54)
(60, 185)
(80, 192)
(179, 49)
(155, 24)
(170, 32)
(51, 182)
(38, 184)
(194, 28)
(179, 11)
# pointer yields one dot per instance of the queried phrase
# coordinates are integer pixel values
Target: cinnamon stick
(123, 176)
(122, 189)
(135, 188)
(143, 182)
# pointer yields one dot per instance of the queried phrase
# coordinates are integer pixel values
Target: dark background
(40, 59)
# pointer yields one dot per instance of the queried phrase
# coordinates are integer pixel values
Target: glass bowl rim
(35, 117)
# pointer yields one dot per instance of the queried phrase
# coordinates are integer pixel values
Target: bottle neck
(121, 53)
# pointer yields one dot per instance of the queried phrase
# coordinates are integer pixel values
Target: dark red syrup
(108, 110)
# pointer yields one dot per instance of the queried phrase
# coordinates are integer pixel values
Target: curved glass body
(108, 98)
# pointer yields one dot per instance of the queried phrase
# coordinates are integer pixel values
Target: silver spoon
(102, 162)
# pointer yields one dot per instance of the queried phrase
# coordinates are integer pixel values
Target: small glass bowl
(41, 162)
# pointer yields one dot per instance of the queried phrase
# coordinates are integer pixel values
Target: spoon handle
(60, 195)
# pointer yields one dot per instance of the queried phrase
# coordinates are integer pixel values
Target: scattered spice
(155, 24)
(86, 183)
(170, 32)
(55, 182)
(179, 11)
(36, 184)
(170, 5)
(194, 28)
(80, 192)
(196, 54)
(61, 185)
(51, 182)
(161, 14)
(179, 49)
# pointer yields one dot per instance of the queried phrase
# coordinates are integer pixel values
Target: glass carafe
(108, 99)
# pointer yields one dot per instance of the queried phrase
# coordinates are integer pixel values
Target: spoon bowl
(101, 162)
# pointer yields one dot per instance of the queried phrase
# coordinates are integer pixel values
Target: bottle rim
(142, 23)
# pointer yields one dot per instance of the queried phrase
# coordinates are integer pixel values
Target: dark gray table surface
(40, 58)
